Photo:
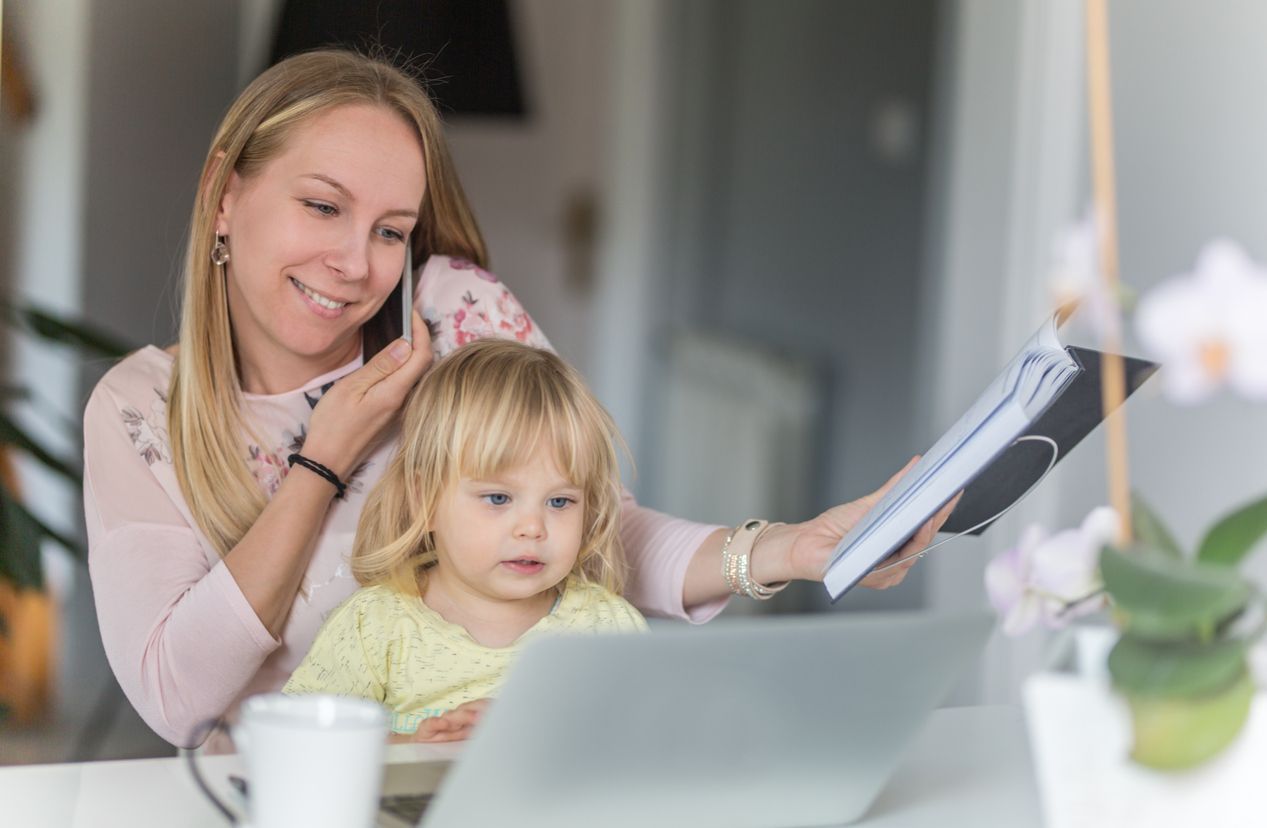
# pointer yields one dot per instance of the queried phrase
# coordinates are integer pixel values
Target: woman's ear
(231, 188)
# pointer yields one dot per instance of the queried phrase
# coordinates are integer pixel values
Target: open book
(1046, 400)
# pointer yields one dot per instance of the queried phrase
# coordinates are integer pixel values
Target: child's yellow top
(383, 645)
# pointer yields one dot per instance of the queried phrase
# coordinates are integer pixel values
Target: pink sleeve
(461, 302)
(179, 634)
(659, 548)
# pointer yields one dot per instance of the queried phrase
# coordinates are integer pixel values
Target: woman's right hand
(353, 413)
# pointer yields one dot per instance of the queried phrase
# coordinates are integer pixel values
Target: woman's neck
(283, 371)
(491, 622)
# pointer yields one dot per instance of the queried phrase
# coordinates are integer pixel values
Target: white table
(969, 767)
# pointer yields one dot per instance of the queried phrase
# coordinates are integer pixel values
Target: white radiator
(736, 431)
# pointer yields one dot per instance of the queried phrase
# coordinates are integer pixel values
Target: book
(1042, 404)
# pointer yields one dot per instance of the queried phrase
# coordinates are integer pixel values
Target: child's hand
(453, 726)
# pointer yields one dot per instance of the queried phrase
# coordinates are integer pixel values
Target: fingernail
(400, 349)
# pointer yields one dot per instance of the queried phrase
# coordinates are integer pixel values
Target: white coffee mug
(315, 761)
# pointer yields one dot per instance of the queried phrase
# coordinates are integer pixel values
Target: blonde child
(496, 522)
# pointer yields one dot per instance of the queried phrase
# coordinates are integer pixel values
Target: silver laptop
(774, 722)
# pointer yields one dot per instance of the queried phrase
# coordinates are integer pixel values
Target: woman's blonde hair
(204, 416)
(483, 409)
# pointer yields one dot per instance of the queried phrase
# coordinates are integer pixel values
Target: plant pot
(1080, 740)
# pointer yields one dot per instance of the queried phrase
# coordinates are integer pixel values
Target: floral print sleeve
(461, 302)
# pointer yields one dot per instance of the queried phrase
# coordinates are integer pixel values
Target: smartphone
(407, 294)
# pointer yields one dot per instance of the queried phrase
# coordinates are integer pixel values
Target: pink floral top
(180, 636)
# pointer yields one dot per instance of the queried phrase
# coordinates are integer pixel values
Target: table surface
(970, 766)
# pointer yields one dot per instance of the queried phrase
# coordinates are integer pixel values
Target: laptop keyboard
(405, 807)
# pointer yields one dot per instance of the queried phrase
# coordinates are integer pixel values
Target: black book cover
(1071, 416)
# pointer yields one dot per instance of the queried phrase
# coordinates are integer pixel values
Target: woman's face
(316, 239)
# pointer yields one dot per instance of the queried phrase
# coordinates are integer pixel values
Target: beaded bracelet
(321, 471)
(736, 561)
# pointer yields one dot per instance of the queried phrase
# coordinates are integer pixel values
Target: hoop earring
(220, 253)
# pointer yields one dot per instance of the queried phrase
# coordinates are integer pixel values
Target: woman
(213, 559)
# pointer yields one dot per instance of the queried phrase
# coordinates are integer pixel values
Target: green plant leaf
(20, 539)
(1232, 538)
(24, 519)
(1167, 670)
(62, 330)
(12, 434)
(1161, 598)
(1149, 529)
(1178, 734)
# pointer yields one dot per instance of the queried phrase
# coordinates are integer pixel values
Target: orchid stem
(1070, 606)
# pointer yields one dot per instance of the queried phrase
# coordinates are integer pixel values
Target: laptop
(791, 721)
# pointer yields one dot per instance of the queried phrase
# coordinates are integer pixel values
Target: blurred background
(788, 243)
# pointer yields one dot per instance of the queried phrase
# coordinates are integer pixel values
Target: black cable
(209, 727)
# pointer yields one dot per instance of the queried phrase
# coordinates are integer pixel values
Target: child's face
(512, 536)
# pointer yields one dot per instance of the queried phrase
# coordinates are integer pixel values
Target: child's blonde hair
(485, 408)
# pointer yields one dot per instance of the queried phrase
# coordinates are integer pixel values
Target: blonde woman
(224, 476)
(497, 521)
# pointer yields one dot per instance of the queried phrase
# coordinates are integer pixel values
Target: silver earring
(220, 253)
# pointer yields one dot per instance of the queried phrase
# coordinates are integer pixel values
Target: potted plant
(25, 611)
(1166, 735)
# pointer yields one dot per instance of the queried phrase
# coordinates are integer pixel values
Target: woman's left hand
(806, 548)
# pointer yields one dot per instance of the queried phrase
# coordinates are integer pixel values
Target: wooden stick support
(1099, 96)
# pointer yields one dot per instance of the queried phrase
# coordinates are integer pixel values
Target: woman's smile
(324, 306)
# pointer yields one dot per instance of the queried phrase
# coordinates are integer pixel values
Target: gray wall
(794, 224)
(162, 75)
(1190, 82)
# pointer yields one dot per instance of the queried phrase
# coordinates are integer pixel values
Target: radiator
(736, 431)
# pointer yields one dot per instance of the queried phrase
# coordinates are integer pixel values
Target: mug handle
(209, 727)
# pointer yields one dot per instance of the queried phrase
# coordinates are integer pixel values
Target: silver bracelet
(736, 561)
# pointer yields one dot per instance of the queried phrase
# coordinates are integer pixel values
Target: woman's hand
(802, 551)
(353, 414)
(454, 726)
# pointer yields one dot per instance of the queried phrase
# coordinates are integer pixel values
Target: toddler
(497, 521)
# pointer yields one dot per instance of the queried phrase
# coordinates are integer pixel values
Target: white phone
(407, 294)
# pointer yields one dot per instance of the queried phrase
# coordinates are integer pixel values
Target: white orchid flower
(1209, 328)
(1076, 277)
(1051, 579)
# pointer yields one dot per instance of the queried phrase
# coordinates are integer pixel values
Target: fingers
(398, 366)
(440, 729)
(453, 726)
(475, 708)
(892, 481)
(943, 514)
(892, 570)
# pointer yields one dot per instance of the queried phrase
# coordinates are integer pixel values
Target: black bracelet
(318, 469)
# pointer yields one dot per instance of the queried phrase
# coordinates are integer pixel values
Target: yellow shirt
(383, 645)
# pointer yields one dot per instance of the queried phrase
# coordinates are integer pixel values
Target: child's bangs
(506, 428)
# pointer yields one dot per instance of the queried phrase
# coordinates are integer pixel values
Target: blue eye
(497, 499)
(390, 234)
(559, 502)
(321, 207)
